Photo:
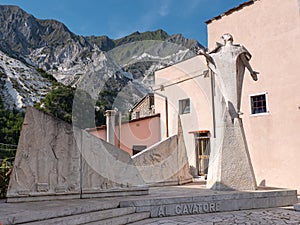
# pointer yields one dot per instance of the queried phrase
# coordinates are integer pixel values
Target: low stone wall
(57, 161)
(165, 163)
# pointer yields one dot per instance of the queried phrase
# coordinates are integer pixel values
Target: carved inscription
(161, 211)
(196, 208)
(186, 209)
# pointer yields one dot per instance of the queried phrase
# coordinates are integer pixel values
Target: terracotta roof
(239, 7)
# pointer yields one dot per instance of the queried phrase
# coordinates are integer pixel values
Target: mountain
(20, 84)
(34, 45)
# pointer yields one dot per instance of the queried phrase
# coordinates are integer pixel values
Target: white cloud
(191, 6)
(164, 8)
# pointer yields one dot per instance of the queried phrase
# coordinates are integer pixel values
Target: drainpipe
(119, 129)
(166, 111)
(213, 94)
(167, 117)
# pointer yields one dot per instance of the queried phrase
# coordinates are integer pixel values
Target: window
(259, 103)
(184, 106)
(138, 148)
(137, 115)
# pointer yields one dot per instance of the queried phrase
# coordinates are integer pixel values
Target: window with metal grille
(184, 106)
(258, 104)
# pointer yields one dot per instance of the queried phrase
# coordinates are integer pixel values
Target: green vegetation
(58, 102)
(47, 76)
(137, 36)
(75, 106)
(10, 127)
(5, 171)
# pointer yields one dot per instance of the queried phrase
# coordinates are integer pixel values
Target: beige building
(270, 30)
(143, 108)
(185, 89)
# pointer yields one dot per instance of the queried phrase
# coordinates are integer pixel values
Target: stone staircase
(103, 217)
(168, 201)
(85, 212)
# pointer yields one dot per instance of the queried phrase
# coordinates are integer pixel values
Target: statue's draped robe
(230, 166)
(228, 66)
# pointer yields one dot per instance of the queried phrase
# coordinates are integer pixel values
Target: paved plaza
(276, 216)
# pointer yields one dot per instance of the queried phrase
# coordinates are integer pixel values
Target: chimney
(110, 126)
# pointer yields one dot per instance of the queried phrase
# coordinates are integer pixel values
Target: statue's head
(227, 38)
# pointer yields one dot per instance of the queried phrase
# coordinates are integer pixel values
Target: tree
(74, 106)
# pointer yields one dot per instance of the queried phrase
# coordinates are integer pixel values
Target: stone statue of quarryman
(229, 164)
(228, 61)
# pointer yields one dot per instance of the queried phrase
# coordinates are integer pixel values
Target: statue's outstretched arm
(200, 51)
(248, 66)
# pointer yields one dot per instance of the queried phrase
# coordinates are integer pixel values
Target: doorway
(202, 149)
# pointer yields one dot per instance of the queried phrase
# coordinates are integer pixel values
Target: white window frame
(267, 104)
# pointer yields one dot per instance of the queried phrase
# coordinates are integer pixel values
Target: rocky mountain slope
(28, 43)
(20, 84)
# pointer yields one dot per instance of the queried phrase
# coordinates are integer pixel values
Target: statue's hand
(201, 51)
(254, 75)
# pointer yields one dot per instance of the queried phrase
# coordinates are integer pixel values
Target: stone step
(211, 202)
(29, 212)
(98, 217)
(125, 219)
(297, 207)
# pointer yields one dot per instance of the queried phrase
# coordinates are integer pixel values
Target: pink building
(135, 135)
(270, 30)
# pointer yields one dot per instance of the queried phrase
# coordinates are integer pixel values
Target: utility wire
(181, 81)
(8, 144)
(8, 149)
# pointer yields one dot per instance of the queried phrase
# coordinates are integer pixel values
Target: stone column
(110, 126)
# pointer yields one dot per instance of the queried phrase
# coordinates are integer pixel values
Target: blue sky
(117, 18)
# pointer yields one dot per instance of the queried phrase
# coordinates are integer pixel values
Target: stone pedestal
(230, 167)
